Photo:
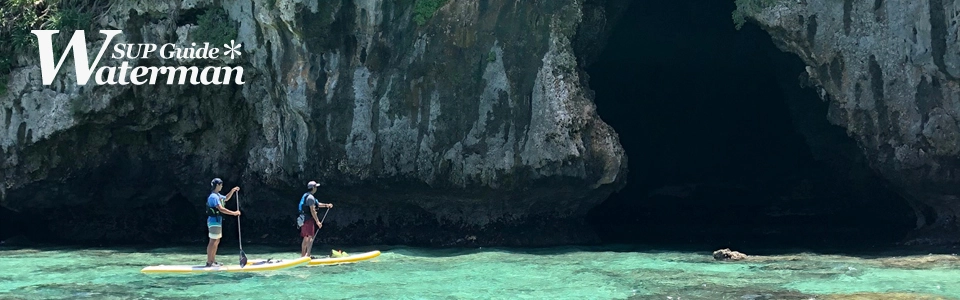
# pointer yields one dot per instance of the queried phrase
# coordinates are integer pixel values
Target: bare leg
(304, 250)
(212, 250)
(310, 246)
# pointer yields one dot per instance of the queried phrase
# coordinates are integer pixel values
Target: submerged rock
(890, 296)
(921, 262)
(757, 297)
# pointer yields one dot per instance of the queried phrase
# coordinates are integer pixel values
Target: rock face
(889, 70)
(727, 254)
(478, 122)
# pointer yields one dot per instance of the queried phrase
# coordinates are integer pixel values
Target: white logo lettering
(79, 46)
(125, 74)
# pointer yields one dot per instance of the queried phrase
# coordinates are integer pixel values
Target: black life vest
(213, 211)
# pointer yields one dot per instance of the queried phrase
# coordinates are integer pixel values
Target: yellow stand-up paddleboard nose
(345, 258)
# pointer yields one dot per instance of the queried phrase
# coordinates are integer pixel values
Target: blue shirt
(212, 201)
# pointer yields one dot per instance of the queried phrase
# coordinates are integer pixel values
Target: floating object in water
(338, 253)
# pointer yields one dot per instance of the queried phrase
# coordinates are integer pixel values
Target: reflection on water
(416, 273)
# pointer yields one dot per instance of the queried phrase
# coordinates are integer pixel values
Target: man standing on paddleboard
(215, 212)
(309, 209)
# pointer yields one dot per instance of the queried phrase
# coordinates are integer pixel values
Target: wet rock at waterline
(727, 254)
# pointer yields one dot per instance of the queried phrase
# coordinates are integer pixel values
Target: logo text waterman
(142, 74)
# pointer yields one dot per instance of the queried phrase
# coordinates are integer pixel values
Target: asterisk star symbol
(232, 49)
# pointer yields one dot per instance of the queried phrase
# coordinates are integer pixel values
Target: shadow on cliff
(726, 147)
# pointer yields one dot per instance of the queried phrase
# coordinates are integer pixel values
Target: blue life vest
(301, 218)
(302, 199)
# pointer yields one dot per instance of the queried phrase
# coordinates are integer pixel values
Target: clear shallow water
(415, 273)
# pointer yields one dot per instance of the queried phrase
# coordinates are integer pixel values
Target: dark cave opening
(126, 198)
(11, 223)
(725, 148)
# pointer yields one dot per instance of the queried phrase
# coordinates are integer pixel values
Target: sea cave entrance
(726, 147)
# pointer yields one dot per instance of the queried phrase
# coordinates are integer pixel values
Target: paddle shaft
(324, 215)
(321, 222)
(243, 256)
(239, 235)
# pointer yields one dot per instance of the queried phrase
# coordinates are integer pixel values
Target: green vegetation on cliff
(215, 27)
(423, 10)
(749, 7)
(19, 17)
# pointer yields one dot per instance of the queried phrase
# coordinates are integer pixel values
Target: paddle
(321, 222)
(243, 256)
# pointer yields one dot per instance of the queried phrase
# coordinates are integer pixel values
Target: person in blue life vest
(308, 209)
(215, 212)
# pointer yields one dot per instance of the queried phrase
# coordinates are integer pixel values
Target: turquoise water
(416, 273)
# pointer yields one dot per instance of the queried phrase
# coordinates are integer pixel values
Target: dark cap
(216, 181)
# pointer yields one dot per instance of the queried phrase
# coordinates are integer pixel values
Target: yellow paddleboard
(250, 267)
(345, 259)
(334, 260)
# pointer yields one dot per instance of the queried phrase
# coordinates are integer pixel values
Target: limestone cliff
(475, 125)
(889, 71)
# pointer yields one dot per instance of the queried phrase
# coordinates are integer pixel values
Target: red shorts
(309, 228)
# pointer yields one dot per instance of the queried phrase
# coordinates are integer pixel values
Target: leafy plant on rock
(423, 10)
(19, 17)
(215, 27)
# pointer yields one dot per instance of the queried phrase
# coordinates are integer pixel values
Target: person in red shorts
(309, 210)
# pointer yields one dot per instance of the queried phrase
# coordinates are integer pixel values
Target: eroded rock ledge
(889, 70)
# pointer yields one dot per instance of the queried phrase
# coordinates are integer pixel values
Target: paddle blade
(243, 259)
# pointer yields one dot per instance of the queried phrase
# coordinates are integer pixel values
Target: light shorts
(215, 230)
